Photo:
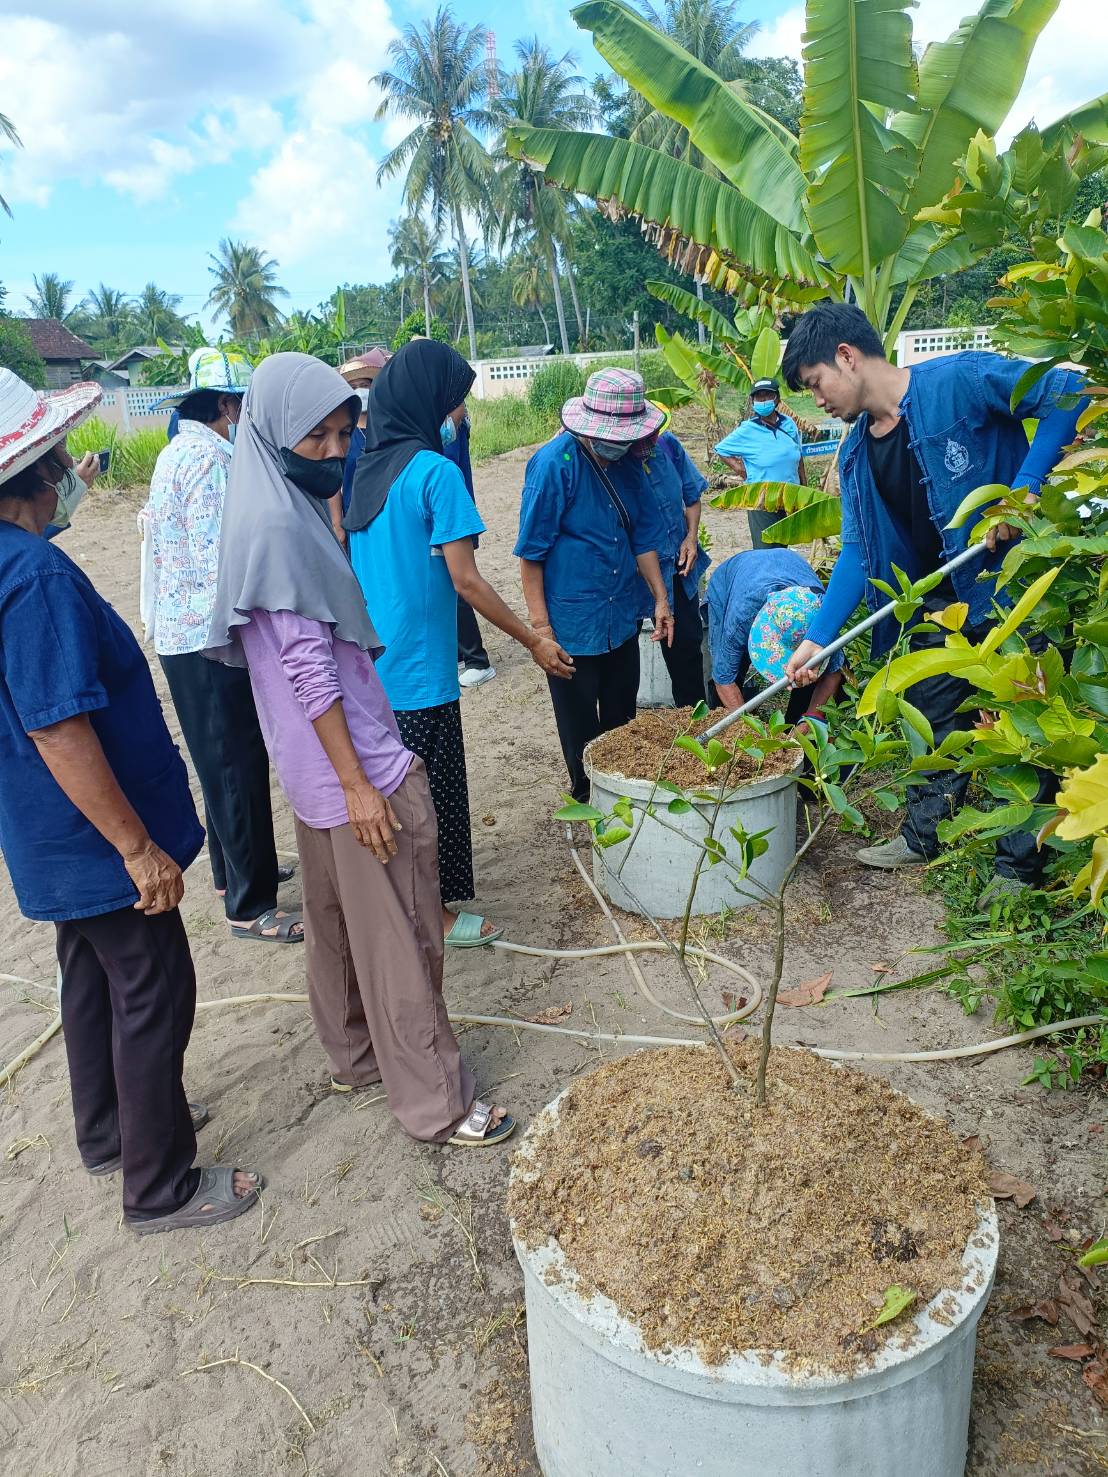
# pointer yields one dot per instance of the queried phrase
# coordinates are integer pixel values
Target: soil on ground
(716, 1224)
(644, 749)
(378, 1285)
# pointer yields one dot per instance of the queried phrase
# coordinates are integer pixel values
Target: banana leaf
(700, 312)
(858, 64)
(720, 123)
(766, 358)
(811, 514)
(968, 83)
(671, 195)
(1090, 121)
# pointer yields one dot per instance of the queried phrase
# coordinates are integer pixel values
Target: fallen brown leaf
(1095, 1375)
(1076, 1305)
(881, 967)
(1046, 1309)
(1007, 1187)
(973, 1143)
(811, 992)
(731, 1001)
(550, 1015)
(1071, 1351)
(1052, 1228)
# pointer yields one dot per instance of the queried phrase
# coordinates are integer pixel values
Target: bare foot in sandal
(221, 1195)
(274, 927)
(468, 930)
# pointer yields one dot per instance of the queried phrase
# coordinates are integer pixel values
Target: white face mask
(70, 491)
(363, 398)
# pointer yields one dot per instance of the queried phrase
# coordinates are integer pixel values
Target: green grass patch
(506, 424)
(133, 452)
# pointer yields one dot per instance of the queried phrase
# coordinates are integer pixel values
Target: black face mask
(319, 479)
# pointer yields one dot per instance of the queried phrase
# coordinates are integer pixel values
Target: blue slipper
(466, 933)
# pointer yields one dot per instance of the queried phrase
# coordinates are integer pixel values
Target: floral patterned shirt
(185, 511)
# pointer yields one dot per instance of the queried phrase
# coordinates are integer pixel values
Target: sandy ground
(386, 1299)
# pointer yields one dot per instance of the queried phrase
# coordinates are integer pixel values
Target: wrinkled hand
(372, 819)
(159, 880)
(795, 670)
(88, 468)
(547, 654)
(686, 554)
(1003, 533)
(663, 623)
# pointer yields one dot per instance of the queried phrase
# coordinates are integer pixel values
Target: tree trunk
(545, 324)
(463, 262)
(426, 303)
(701, 335)
(403, 284)
(559, 306)
(581, 336)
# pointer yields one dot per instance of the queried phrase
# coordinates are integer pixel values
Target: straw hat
(614, 407)
(32, 421)
(223, 370)
(370, 363)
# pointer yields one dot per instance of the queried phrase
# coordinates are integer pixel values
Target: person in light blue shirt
(411, 525)
(670, 477)
(587, 530)
(766, 447)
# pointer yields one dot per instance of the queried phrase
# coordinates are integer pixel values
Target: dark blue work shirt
(357, 446)
(64, 651)
(569, 525)
(458, 453)
(738, 589)
(671, 477)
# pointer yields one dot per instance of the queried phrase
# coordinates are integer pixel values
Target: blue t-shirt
(357, 446)
(407, 586)
(770, 453)
(671, 476)
(569, 525)
(64, 651)
(737, 591)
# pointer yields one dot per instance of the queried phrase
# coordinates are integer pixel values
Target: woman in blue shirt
(96, 825)
(584, 539)
(675, 484)
(765, 447)
(412, 526)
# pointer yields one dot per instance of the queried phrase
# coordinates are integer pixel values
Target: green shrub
(17, 353)
(505, 424)
(415, 324)
(652, 366)
(133, 453)
(553, 385)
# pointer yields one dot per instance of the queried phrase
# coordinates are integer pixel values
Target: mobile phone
(105, 459)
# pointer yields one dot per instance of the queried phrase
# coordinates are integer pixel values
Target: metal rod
(783, 683)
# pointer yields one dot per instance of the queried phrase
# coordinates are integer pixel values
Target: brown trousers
(374, 947)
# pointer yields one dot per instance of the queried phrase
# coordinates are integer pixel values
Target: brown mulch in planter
(638, 751)
(714, 1224)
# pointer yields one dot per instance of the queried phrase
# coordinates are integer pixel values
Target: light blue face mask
(764, 407)
(449, 433)
(232, 427)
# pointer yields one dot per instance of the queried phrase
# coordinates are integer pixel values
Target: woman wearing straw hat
(586, 532)
(289, 607)
(214, 704)
(96, 825)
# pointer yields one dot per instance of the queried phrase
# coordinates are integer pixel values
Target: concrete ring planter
(655, 687)
(658, 868)
(603, 1405)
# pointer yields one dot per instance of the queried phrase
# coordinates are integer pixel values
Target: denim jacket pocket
(950, 459)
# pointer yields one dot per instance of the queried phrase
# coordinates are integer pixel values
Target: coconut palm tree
(440, 82)
(527, 280)
(50, 298)
(461, 284)
(416, 254)
(544, 91)
(9, 131)
(245, 288)
(155, 313)
(109, 311)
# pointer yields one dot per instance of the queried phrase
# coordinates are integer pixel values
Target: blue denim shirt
(738, 589)
(964, 434)
(671, 477)
(568, 524)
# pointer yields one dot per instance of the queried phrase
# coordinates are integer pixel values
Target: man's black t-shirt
(896, 471)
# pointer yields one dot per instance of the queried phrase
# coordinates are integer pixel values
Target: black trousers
(758, 520)
(128, 998)
(435, 734)
(600, 695)
(471, 649)
(220, 726)
(938, 699)
(685, 659)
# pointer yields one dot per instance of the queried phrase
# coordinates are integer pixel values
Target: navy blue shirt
(458, 453)
(671, 477)
(357, 446)
(64, 651)
(569, 525)
(737, 591)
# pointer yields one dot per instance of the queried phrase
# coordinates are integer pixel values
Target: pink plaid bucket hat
(614, 407)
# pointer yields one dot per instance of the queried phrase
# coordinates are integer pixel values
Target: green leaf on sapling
(612, 836)
(700, 711)
(622, 809)
(686, 741)
(579, 812)
(679, 806)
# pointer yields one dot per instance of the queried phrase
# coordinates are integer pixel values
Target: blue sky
(153, 130)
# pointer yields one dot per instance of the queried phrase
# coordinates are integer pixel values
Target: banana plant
(835, 212)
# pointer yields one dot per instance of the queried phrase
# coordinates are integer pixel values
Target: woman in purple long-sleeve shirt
(289, 607)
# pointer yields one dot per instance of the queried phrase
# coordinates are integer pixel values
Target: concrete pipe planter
(655, 688)
(603, 1405)
(658, 868)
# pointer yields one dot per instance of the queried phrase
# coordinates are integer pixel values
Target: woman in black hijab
(412, 527)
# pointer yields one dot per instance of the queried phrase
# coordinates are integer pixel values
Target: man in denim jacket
(922, 439)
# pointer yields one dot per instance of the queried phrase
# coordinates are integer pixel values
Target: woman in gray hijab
(288, 607)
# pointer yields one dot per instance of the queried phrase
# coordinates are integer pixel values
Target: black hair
(27, 484)
(202, 405)
(817, 334)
